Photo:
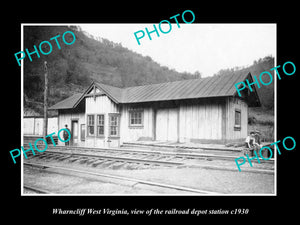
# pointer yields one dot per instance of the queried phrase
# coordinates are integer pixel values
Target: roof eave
(257, 102)
(108, 94)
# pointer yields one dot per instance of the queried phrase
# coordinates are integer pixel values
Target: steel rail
(35, 189)
(118, 158)
(168, 153)
(160, 162)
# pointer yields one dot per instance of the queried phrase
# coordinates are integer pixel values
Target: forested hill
(73, 67)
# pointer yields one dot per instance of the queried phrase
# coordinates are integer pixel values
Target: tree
(197, 74)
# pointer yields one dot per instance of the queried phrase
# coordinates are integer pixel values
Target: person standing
(66, 135)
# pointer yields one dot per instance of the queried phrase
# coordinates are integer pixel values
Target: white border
(78, 24)
(275, 113)
(22, 109)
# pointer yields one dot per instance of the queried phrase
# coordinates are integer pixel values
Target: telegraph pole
(45, 101)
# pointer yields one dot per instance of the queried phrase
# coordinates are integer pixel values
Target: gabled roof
(67, 103)
(216, 86)
(115, 93)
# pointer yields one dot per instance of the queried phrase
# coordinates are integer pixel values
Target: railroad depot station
(206, 110)
(165, 138)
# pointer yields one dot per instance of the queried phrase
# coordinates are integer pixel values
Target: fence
(33, 125)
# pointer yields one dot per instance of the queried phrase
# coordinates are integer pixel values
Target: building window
(100, 125)
(136, 118)
(91, 125)
(237, 119)
(113, 125)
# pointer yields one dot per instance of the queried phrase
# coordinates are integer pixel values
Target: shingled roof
(216, 86)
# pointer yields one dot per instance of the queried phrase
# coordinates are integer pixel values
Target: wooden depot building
(206, 110)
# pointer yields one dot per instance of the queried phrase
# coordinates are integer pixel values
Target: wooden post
(45, 102)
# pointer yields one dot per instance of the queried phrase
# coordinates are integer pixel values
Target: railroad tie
(83, 160)
(98, 162)
(73, 159)
(65, 157)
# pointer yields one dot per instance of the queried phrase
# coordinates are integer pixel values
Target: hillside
(72, 68)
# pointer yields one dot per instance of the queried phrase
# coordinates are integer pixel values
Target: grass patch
(262, 120)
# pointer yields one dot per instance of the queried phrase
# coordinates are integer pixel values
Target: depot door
(167, 124)
(74, 132)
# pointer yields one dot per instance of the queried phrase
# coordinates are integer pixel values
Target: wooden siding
(200, 121)
(129, 133)
(167, 124)
(231, 106)
(66, 117)
(101, 105)
(34, 125)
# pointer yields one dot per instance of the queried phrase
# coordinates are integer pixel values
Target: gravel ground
(211, 180)
(66, 184)
(227, 182)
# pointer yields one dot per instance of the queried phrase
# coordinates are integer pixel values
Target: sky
(206, 48)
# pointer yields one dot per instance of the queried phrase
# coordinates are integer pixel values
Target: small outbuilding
(206, 110)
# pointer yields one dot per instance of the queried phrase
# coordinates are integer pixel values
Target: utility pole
(45, 101)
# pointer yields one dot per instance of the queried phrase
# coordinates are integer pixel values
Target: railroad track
(159, 154)
(64, 170)
(141, 159)
(96, 159)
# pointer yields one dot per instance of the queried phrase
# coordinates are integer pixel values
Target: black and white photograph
(108, 116)
(165, 113)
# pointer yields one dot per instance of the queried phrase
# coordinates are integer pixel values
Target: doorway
(74, 132)
(166, 124)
